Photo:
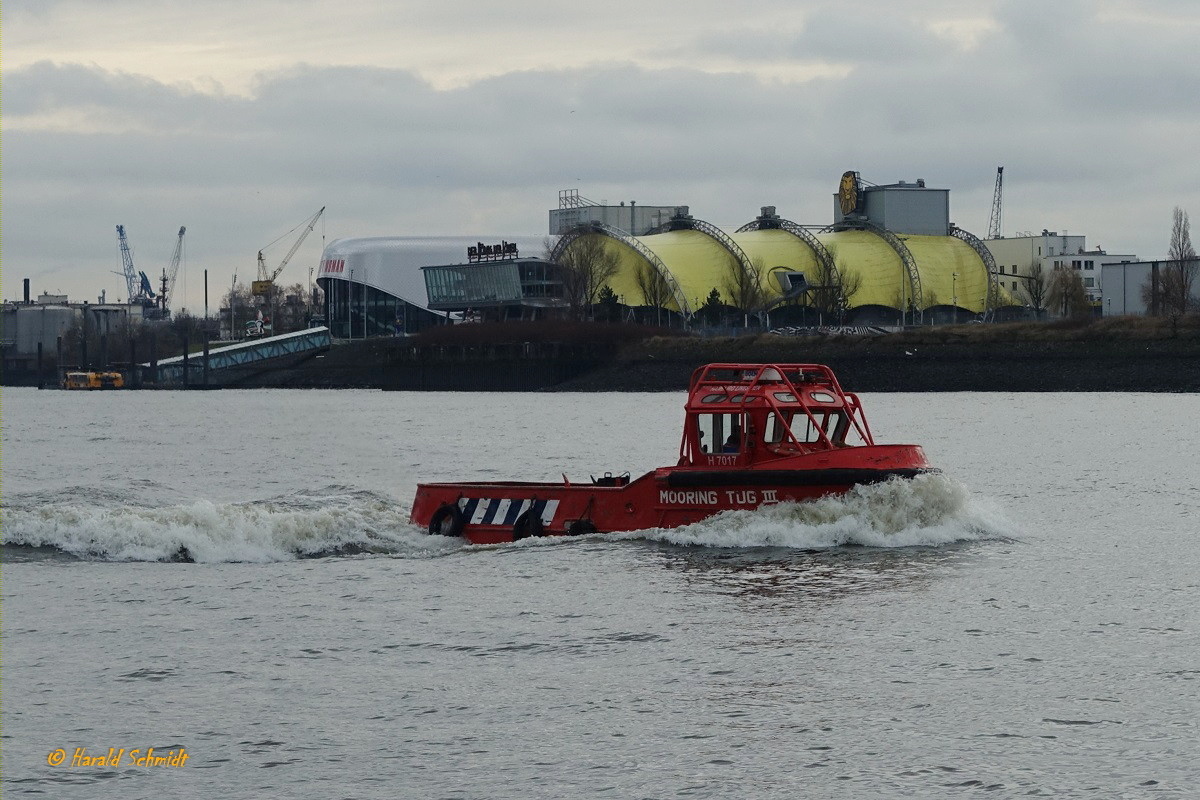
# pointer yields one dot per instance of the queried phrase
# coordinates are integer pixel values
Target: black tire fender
(528, 524)
(581, 527)
(447, 521)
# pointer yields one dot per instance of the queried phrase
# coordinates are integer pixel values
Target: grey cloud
(45, 86)
(390, 154)
(1081, 63)
(880, 37)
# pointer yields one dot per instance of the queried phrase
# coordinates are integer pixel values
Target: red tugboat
(753, 435)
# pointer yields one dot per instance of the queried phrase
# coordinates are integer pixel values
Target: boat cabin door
(721, 437)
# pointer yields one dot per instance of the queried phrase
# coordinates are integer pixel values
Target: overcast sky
(240, 118)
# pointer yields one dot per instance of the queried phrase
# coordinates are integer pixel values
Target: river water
(1026, 624)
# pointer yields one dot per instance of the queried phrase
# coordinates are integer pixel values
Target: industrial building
(1015, 255)
(28, 323)
(891, 255)
(1129, 284)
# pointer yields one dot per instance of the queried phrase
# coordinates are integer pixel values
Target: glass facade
(355, 311)
(505, 289)
(456, 287)
(473, 284)
(541, 280)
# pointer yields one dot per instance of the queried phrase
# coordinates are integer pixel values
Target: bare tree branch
(1168, 290)
(654, 288)
(745, 288)
(1035, 286)
(1180, 273)
(1065, 293)
(587, 265)
(832, 290)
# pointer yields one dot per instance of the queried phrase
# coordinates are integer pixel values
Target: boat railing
(857, 416)
(754, 374)
(760, 379)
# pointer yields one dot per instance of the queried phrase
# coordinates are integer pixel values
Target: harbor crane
(994, 222)
(267, 276)
(136, 283)
(167, 289)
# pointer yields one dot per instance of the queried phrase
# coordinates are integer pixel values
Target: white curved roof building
(375, 285)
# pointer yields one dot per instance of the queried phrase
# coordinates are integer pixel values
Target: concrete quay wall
(666, 365)
(881, 364)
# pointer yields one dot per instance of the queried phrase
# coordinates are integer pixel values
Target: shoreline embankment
(876, 364)
(1129, 355)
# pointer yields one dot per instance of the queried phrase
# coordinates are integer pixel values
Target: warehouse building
(30, 323)
(890, 254)
(1015, 255)
(1131, 286)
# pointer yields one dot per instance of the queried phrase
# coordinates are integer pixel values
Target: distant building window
(1089, 282)
(1040, 251)
(1014, 286)
(1001, 269)
(1089, 265)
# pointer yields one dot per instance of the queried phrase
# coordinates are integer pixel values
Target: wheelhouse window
(773, 433)
(834, 422)
(720, 433)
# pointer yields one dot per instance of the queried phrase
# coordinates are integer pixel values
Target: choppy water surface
(1023, 625)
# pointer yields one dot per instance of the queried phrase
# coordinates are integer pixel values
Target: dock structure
(223, 364)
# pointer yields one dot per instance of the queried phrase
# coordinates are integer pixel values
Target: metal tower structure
(170, 273)
(131, 276)
(994, 223)
(570, 198)
(267, 276)
(136, 283)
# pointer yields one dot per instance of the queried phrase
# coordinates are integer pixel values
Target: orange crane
(267, 276)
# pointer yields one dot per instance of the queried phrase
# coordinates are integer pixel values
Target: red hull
(495, 512)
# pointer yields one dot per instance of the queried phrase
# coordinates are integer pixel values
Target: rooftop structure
(574, 210)
(902, 207)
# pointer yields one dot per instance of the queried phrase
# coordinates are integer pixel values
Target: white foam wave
(928, 510)
(204, 531)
